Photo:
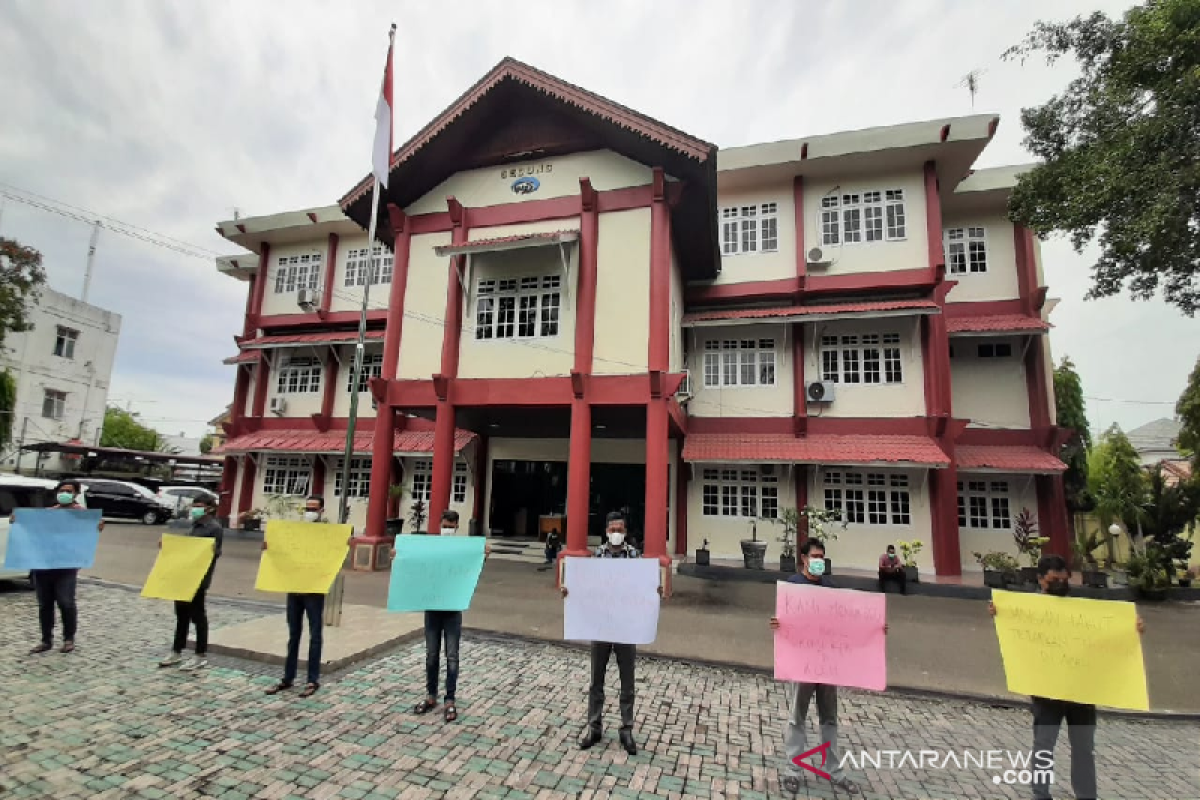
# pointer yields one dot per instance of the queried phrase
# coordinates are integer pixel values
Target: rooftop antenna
(237, 213)
(91, 260)
(971, 82)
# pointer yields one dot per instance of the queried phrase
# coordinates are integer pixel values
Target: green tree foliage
(122, 429)
(21, 280)
(1120, 148)
(1117, 481)
(206, 444)
(1170, 510)
(1068, 400)
(8, 406)
(1188, 411)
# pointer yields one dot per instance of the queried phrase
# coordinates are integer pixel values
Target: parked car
(181, 497)
(16, 492)
(126, 500)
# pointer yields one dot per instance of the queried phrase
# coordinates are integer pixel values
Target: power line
(1135, 402)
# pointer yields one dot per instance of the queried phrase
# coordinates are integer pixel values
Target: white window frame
(750, 228)
(528, 307)
(65, 340)
(862, 359)
(740, 363)
(299, 376)
(421, 480)
(372, 367)
(360, 477)
(287, 475)
(54, 402)
(868, 497)
(293, 273)
(867, 216)
(382, 259)
(985, 504)
(739, 490)
(458, 493)
(966, 250)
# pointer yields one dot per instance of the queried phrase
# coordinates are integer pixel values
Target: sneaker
(41, 648)
(171, 660)
(194, 664)
(846, 785)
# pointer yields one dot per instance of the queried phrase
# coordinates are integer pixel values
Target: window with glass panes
(876, 215)
(517, 308)
(54, 404)
(460, 483)
(360, 477)
(64, 342)
(299, 376)
(750, 229)
(287, 475)
(372, 367)
(966, 250)
(740, 492)
(984, 504)
(298, 272)
(861, 358)
(422, 479)
(739, 362)
(868, 498)
(358, 267)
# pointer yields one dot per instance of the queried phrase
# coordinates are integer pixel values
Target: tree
(1188, 411)
(122, 429)
(1117, 481)
(1120, 148)
(1071, 413)
(1170, 510)
(21, 280)
(8, 406)
(206, 444)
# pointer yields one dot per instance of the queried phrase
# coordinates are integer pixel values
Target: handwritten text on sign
(611, 600)
(1070, 648)
(52, 538)
(302, 557)
(435, 573)
(832, 636)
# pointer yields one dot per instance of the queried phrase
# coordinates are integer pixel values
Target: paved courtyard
(105, 722)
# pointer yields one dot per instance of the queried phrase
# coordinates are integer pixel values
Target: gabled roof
(1157, 435)
(451, 143)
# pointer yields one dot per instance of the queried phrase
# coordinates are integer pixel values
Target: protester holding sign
(1048, 712)
(57, 586)
(192, 612)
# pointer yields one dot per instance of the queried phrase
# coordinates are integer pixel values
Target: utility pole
(91, 260)
(21, 443)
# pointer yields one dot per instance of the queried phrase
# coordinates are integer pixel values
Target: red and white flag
(381, 154)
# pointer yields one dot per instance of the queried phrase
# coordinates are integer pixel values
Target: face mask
(1058, 588)
(616, 538)
(312, 516)
(197, 513)
(816, 566)
(65, 498)
(449, 531)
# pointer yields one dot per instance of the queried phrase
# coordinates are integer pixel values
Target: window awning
(889, 450)
(751, 316)
(992, 324)
(327, 337)
(514, 242)
(405, 443)
(1007, 458)
(244, 357)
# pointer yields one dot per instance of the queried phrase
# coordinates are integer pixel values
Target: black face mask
(1058, 588)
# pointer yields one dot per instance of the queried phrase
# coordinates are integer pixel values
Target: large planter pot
(251, 524)
(912, 574)
(1029, 575)
(1120, 577)
(702, 557)
(787, 564)
(1097, 579)
(753, 553)
(993, 578)
(1151, 595)
(394, 527)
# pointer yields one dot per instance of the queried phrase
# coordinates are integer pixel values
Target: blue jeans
(439, 624)
(300, 606)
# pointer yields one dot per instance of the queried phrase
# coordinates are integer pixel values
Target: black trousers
(193, 613)
(300, 606)
(56, 587)
(1048, 716)
(900, 578)
(626, 655)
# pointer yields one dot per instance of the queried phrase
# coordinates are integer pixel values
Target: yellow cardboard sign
(179, 568)
(302, 557)
(1069, 648)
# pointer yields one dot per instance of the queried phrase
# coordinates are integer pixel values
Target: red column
(1036, 385)
(262, 382)
(259, 287)
(943, 512)
(443, 432)
(241, 388)
(585, 291)
(681, 508)
(933, 217)
(1052, 515)
(1027, 281)
(382, 439)
(228, 478)
(481, 476)
(657, 457)
(579, 478)
(443, 464)
(329, 390)
(658, 361)
(798, 210)
(801, 503)
(327, 282)
(318, 477)
(395, 315)
(249, 322)
(799, 398)
(246, 492)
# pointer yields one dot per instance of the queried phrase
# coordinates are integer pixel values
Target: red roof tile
(500, 242)
(328, 337)
(996, 323)
(828, 310)
(1010, 458)
(334, 442)
(244, 357)
(816, 449)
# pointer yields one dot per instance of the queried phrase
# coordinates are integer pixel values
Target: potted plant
(789, 518)
(999, 569)
(251, 520)
(908, 553)
(820, 528)
(1148, 577)
(1029, 544)
(1085, 561)
(416, 515)
(1185, 575)
(753, 551)
(394, 525)
(702, 555)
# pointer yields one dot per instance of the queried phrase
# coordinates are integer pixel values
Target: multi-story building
(578, 308)
(63, 367)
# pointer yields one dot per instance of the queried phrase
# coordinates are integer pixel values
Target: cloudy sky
(170, 115)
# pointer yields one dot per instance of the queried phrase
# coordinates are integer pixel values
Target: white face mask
(816, 566)
(312, 516)
(449, 531)
(616, 538)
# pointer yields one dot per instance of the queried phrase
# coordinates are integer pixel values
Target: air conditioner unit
(818, 259)
(819, 392)
(278, 406)
(308, 298)
(685, 388)
(766, 469)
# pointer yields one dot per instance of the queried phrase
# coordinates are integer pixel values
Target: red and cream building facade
(578, 308)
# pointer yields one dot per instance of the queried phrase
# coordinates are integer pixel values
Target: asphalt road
(936, 644)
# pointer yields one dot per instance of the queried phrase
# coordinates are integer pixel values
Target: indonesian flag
(382, 152)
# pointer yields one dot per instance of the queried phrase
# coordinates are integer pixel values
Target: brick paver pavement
(105, 722)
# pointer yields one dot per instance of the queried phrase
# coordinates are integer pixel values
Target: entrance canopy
(891, 450)
(405, 443)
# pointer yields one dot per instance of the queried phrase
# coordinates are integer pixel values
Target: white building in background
(63, 368)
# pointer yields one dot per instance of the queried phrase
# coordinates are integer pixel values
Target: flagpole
(360, 345)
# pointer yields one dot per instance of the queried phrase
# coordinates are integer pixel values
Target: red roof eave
(898, 450)
(334, 337)
(508, 242)
(333, 442)
(831, 310)
(1007, 458)
(996, 323)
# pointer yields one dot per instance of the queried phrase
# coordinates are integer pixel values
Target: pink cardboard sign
(833, 636)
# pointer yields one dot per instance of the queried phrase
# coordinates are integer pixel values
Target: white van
(17, 491)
